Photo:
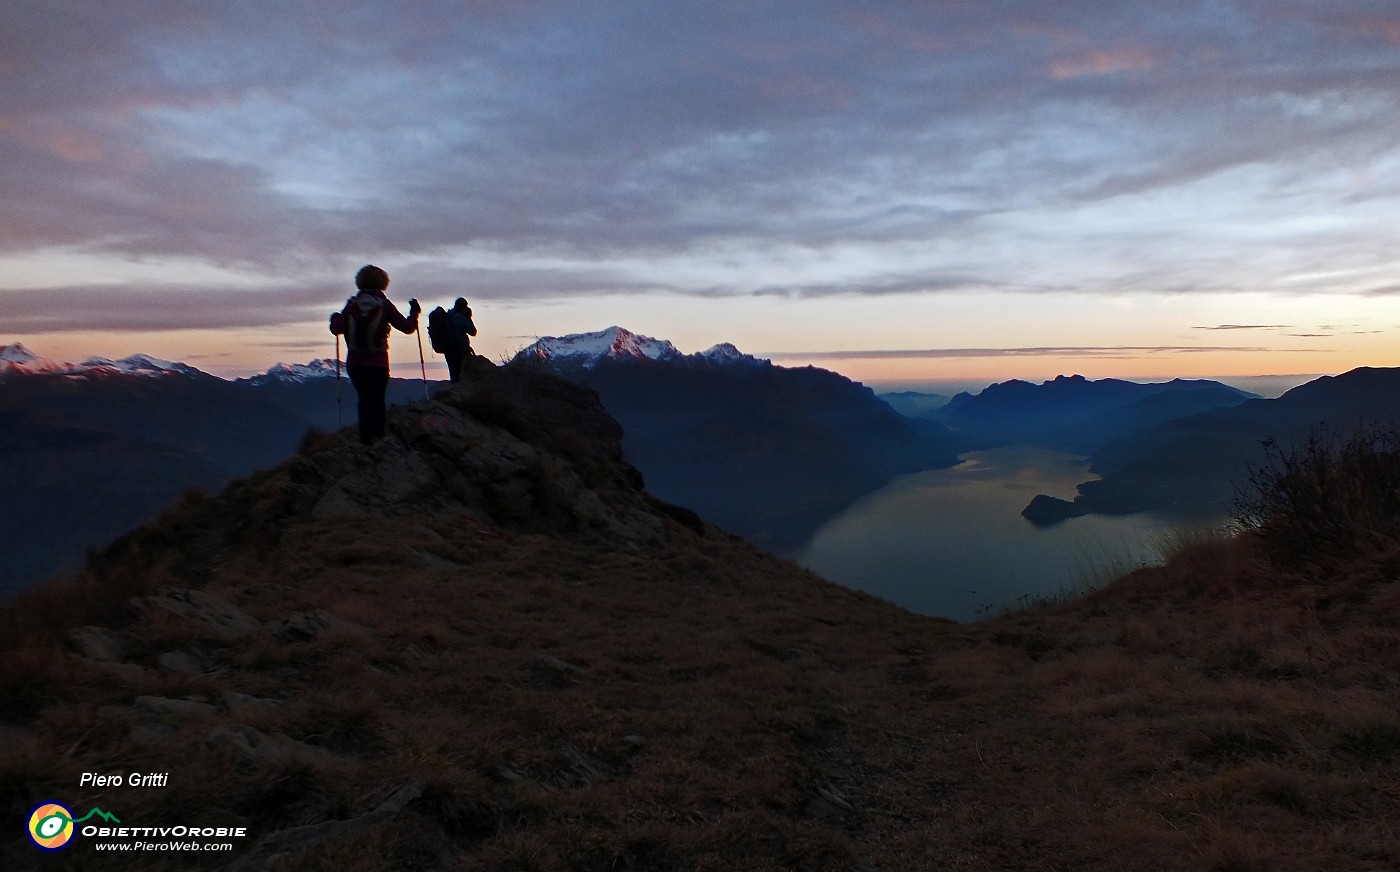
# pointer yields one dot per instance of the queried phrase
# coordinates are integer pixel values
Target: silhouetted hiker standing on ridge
(365, 323)
(459, 319)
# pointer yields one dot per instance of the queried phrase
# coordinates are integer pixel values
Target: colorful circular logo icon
(51, 826)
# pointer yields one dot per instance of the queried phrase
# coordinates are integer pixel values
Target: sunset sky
(901, 191)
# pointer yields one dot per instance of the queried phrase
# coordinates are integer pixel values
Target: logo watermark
(51, 824)
(52, 827)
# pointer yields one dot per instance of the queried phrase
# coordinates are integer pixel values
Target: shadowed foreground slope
(482, 646)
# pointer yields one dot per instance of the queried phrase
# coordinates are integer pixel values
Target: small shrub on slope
(1329, 498)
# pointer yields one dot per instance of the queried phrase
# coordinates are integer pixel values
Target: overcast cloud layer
(537, 150)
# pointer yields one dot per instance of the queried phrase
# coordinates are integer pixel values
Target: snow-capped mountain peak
(726, 353)
(17, 353)
(17, 359)
(296, 373)
(134, 364)
(587, 350)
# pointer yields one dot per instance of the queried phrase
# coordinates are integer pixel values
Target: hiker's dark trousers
(371, 383)
(454, 363)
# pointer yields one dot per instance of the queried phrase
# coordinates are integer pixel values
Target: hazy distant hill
(763, 450)
(67, 484)
(90, 454)
(1195, 463)
(311, 392)
(915, 404)
(94, 448)
(200, 414)
(1075, 414)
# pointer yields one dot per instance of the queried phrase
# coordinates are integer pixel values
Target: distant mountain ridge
(296, 373)
(67, 484)
(1076, 414)
(762, 450)
(94, 448)
(15, 359)
(1196, 462)
(915, 404)
(614, 344)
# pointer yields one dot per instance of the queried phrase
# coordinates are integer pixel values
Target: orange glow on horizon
(1145, 368)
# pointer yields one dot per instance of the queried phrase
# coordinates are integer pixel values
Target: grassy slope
(696, 704)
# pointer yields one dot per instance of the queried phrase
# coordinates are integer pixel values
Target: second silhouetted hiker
(365, 323)
(451, 332)
(462, 329)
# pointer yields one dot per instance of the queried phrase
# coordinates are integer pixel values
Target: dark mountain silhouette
(1075, 414)
(1196, 463)
(68, 484)
(201, 414)
(88, 456)
(93, 449)
(764, 451)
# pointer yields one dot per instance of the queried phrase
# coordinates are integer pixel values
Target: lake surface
(952, 542)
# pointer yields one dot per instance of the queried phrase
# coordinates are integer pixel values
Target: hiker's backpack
(364, 323)
(440, 331)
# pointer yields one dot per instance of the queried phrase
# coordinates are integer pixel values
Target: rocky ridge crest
(507, 448)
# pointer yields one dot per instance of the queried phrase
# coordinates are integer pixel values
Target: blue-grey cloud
(157, 308)
(1099, 146)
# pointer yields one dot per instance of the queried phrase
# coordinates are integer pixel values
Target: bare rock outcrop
(513, 448)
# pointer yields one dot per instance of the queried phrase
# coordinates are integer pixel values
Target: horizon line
(1091, 351)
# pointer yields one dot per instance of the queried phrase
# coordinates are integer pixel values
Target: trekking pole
(339, 418)
(422, 367)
